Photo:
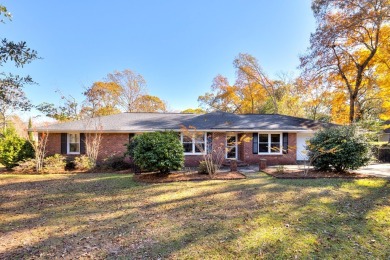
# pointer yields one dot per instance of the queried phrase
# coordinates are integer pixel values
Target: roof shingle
(140, 122)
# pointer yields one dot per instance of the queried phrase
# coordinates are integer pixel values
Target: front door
(231, 146)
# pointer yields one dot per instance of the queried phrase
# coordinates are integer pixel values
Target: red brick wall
(111, 145)
(53, 144)
(192, 160)
(246, 154)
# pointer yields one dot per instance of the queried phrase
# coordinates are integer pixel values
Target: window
(270, 143)
(263, 143)
(231, 147)
(194, 144)
(73, 143)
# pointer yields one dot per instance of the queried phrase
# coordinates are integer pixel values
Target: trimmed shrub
(14, 149)
(83, 163)
(116, 163)
(202, 167)
(160, 151)
(26, 166)
(340, 148)
(131, 146)
(54, 164)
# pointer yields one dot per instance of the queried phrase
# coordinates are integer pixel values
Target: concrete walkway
(378, 169)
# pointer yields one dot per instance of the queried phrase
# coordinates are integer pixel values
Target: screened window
(270, 143)
(74, 143)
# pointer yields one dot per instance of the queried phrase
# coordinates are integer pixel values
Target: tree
(12, 96)
(253, 92)
(193, 111)
(160, 151)
(39, 147)
(382, 72)
(148, 103)
(249, 68)
(345, 42)
(132, 85)
(30, 133)
(223, 96)
(93, 141)
(13, 148)
(102, 99)
(70, 110)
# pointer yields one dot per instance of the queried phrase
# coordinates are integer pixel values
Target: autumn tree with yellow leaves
(344, 45)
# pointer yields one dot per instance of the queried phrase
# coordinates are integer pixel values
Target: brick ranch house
(248, 138)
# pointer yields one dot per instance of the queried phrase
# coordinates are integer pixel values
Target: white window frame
(235, 145)
(68, 143)
(194, 144)
(269, 143)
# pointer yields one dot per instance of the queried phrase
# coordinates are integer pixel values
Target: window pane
(231, 153)
(187, 147)
(275, 143)
(73, 138)
(199, 147)
(74, 148)
(263, 138)
(263, 148)
(199, 138)
(275, 147)
(275, 138)
(187, 139)
(231, 140)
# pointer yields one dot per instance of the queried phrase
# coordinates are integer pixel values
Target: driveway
(379, 170)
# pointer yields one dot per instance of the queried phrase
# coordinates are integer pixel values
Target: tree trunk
(351, 109)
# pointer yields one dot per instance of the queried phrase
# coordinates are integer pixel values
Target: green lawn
(111, 216)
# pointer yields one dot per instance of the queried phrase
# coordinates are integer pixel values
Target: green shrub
(202, 168)
(54, 164)
(339, 148)
(116, 163)
(160, 151)
(26, 166)
(131, 146)
(14, 149)
(83, 163)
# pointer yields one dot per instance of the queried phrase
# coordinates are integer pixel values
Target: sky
(177, 46)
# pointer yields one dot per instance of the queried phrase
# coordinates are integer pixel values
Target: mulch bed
(187, 176)
(312, 174)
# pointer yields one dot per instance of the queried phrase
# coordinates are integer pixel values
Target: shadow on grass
(110, 216)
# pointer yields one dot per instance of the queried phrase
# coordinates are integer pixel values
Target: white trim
(194, 144)
(226, 145)
(68, 143)
(269, 143)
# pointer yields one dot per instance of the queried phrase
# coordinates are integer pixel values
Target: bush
(131, 146)
(26, 166)
(14, 149)
(160, 151)
(115, 163)
(339, 148)
(83, 163)
(202, 168)
(54, 164)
